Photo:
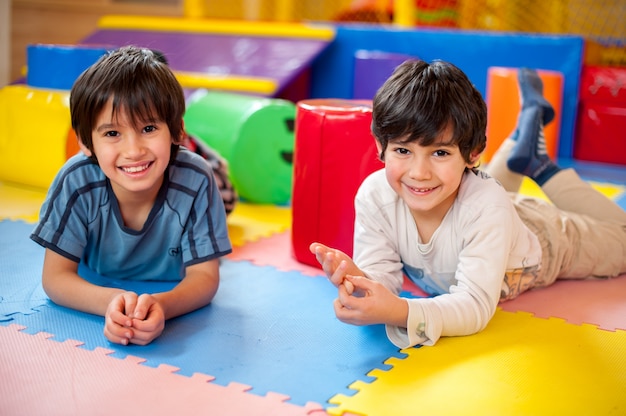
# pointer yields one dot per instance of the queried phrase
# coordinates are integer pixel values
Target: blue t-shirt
(81, 220)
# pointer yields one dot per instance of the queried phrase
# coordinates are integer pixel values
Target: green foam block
(254, 134)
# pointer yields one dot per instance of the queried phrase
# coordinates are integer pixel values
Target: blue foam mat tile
(21, 261)
(275, 331)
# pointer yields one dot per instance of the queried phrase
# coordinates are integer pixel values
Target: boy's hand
(132, 319)
(363, 301)
(335, 263)
(148, 320)
(117, 321)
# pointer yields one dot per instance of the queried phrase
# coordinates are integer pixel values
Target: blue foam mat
(21, 261)
(272, 330)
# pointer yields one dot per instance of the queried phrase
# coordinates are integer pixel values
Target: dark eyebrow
(444, 144)
(104, 127)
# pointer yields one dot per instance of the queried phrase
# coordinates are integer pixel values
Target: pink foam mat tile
(600, 302)
(43, 376)
(273, 251)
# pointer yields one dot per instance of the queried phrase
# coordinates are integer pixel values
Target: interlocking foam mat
(270, 343)
(271, 330)
(518, 365)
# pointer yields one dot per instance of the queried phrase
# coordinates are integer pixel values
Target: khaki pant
(582, 233)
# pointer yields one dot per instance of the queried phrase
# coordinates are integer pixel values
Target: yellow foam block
(519, 365)
(221, 26)
(34, 126)
(249, 222)
(227, 82)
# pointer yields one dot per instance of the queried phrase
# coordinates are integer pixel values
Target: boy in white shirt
(454, 230)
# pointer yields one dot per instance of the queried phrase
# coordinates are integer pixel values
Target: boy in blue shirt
(133, 205)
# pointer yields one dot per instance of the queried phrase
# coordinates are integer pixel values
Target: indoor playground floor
(269, 344)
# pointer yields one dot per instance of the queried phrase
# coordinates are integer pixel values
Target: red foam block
(334, 151)
(601, 123)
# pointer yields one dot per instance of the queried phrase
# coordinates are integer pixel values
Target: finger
(118, 318)
(349, 286)
(127, 302)
(314, 247)
(345, 314)
(118, 334)
(328, 262)
(144, 303)
(149, 325)
(344, 297)
(319, 250)
(339, 273)
(141, 338)
(361, 283)
(117, 309)
(151, 332)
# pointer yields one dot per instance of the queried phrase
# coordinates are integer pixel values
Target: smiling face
(427, 178)
(133, 156)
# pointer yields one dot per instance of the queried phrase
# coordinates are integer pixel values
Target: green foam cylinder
(254, 134)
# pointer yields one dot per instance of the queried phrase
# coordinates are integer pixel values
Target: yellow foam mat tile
(247, 223)
(18, 202)
(518, 365)
(250, 222)
(611, 191)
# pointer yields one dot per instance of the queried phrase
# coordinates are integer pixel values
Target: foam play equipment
(36, 137)
(601, 125)
(261, 58)
(58, 66)
(254, 134)
(503, 106)
(34, 134)
(473, 52)
(371, 70)
(334, 151)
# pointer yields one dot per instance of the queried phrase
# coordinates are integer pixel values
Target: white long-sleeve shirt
(479, 242)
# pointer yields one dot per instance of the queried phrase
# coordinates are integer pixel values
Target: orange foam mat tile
(600, 302)
(249, 222)
(518, 365)
(273, 251)
(42, 376)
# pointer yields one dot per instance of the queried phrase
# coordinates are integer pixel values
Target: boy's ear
(475, 157)
(183, 133)
(84, 148)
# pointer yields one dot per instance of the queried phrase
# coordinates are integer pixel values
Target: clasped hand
(133, 319)
(360, 301)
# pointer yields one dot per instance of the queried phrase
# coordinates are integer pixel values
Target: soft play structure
(327, 176)
(250, 57)
(254, 134)
(232, 93)
(36, 137)
(310, 61)
(473, 52)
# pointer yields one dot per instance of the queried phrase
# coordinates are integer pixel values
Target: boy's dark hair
(138, 82)
(420, 100)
